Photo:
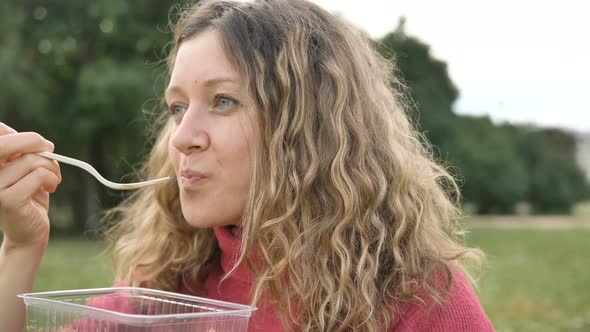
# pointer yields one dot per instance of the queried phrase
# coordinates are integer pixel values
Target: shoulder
(460, 310)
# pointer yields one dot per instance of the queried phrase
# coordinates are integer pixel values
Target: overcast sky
(518, 61)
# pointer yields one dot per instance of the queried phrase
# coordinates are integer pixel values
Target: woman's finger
(5, 129)
(20, 194)
(42, 198)
(19, 143)
(25, 164)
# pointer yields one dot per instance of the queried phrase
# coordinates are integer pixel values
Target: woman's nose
(191, 133)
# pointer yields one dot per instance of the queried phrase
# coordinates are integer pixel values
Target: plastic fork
(87, 167)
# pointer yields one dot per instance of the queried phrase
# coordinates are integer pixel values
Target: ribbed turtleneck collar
(229, 239)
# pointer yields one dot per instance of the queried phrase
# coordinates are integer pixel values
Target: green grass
(582, 209)
(536, 280)
(74, 264)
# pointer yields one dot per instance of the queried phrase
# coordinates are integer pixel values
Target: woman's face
(211, 141)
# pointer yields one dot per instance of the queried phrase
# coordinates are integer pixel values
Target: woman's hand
(26, 179)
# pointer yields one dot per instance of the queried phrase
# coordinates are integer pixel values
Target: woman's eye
(177, 109)
(224, 102)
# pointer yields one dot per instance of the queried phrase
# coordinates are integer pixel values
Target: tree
(556, 180)
(496, 165)
(81, 73)
(430, 85)
(495, 176)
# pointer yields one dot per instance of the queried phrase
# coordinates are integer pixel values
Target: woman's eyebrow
(172, 90)
(219, 80)
(176, 89)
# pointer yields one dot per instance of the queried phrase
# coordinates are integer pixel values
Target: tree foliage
(497, 165)
(83, 74)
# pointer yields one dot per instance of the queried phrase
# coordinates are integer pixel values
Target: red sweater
(461, 311)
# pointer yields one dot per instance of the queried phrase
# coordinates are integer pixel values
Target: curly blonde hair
(347, 213)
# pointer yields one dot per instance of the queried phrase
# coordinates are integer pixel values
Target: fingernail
(50, 144)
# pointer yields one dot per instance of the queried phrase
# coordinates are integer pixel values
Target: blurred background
(499, 91)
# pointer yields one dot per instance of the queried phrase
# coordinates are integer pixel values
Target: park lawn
(74, 264)
(536, 280)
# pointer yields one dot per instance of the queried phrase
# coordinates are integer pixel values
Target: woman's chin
(206, 222)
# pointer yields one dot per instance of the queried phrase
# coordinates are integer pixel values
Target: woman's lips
(192, 178)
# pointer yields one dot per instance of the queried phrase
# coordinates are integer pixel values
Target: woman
(301, 186)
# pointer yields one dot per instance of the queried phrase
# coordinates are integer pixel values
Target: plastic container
(131, 309)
